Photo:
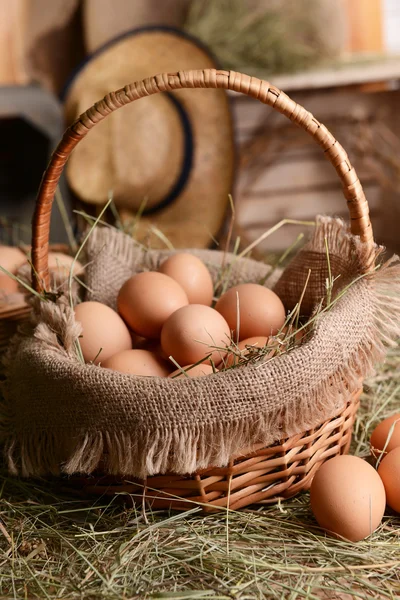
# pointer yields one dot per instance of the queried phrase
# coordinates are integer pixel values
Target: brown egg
(61, 263)
(389, 472)
(103, 329)
(348, 497)
(381, 434)
(152, 345)
(261, 310)
(197, 371)
(188, 334)
(146, 301)
(137, 362)
(256, 342)
(8, 285)
(192, 274)
(11, 258)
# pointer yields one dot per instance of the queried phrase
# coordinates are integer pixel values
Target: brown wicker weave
(261, 477)
(264, 474)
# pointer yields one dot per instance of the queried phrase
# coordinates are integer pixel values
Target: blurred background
(341, 60)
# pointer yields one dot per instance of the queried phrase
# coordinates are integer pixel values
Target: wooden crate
(284, 175)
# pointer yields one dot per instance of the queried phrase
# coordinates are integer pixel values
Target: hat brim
(196, 215)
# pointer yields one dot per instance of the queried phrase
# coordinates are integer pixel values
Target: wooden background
(282, 173)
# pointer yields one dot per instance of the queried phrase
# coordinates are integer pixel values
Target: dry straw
(268, 37)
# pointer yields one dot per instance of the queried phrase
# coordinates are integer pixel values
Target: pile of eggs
(166, 325)
(349, 496)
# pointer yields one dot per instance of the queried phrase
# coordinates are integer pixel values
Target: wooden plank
(334, 105)
(264, 211)
(297, 181)
(283, 239)
(277, 243)
(365, 26)
(12, 68)
(354, 73)
(300, 174)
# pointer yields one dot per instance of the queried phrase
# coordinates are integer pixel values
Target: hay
(57, 546)
(279, 36)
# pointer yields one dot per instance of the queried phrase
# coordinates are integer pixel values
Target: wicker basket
(264, 474)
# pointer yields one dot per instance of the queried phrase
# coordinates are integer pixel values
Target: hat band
(187, 162)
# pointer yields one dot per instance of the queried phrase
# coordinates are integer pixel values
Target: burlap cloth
(61, 415)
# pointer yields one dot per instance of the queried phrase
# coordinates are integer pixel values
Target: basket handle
(207, 78)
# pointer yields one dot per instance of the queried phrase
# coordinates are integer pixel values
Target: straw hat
(172, 151)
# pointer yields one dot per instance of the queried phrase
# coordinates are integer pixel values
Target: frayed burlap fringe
(62, 416)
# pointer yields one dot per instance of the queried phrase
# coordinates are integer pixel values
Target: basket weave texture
(250, 434)
(262, 476)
